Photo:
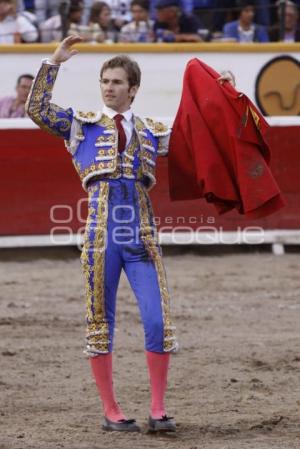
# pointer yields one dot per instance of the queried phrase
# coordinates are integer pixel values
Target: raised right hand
(64, 50)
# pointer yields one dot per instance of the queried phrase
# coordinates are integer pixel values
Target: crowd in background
(27, 21)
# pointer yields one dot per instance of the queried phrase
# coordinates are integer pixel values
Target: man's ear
(133, 91)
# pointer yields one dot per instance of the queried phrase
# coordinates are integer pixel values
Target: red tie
(121, 133)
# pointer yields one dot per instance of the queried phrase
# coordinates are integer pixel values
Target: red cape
(218, 149)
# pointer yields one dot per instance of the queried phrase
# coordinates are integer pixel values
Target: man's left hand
(227, 76)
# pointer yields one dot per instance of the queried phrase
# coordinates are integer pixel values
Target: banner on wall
(277, 86)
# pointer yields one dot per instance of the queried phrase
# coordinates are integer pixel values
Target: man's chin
(110, 104)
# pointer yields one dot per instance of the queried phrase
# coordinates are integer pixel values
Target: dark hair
(290, 3)
(145, 4)
(242, 4)
(25, 75)
(75, 5)
(131, 68)
(96, 9)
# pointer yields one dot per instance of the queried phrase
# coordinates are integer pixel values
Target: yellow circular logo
(277, 88)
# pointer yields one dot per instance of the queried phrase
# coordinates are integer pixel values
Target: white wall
(78, 81)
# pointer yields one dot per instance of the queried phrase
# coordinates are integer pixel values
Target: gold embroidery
(97, 326)
(85, 115)
(107, 122)
(114, 166)
(79, 135)
(46, 115)
(117, 173)
(151, 245)
(92, 190)
(139, 125)
(107, 154)
(95, 167)
(77, 165)
(163, 147)
(106, 138)
(84, 258)
(147, 144)
(147, 168)
(128, 157)
(156, 127)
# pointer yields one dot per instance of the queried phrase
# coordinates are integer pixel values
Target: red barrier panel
(38, 179)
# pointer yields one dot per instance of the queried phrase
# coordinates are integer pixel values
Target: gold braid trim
(158, 129)
(46, 115)
(97, 326)
(152, 248)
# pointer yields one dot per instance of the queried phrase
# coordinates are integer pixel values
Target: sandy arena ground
(233, 385)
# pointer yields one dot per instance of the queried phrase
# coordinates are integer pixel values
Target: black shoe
(123, 425)
(164, 424)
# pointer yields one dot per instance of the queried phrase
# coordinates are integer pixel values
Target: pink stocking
(102, 370)
(158, 365)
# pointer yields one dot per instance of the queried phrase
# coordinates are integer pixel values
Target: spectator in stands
(224, 12)
(12, 107)
(27, 9)
(140, 29)
(99, 28)
(25, 5)
(244, 29)
(44, 9)
(263, 12)
(204, 10)
(101, 22)
(173, 25)
(120, 12)
(291, 25)
(15, 28)
(67, 21)
(186, 6)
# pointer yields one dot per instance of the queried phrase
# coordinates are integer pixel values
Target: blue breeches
(120, 234)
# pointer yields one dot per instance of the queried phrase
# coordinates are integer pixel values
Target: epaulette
(157, 128)
(88, 117)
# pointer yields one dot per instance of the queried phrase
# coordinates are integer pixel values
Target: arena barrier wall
(42, 202)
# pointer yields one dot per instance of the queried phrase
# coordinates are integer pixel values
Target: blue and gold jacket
(92, 138)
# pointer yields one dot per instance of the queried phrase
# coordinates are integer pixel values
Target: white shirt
(246, 35)
(18, 24)
(51, 29)
(127, 121)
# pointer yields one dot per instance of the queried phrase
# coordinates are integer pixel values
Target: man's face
(247, 14)
(167, 14)
(105, 17)
(5, 8)
(290, 18)
(139, 14)
(23, 89)
(115, 89)
(76, 16)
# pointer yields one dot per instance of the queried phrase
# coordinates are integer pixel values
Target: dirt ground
(234, 384)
